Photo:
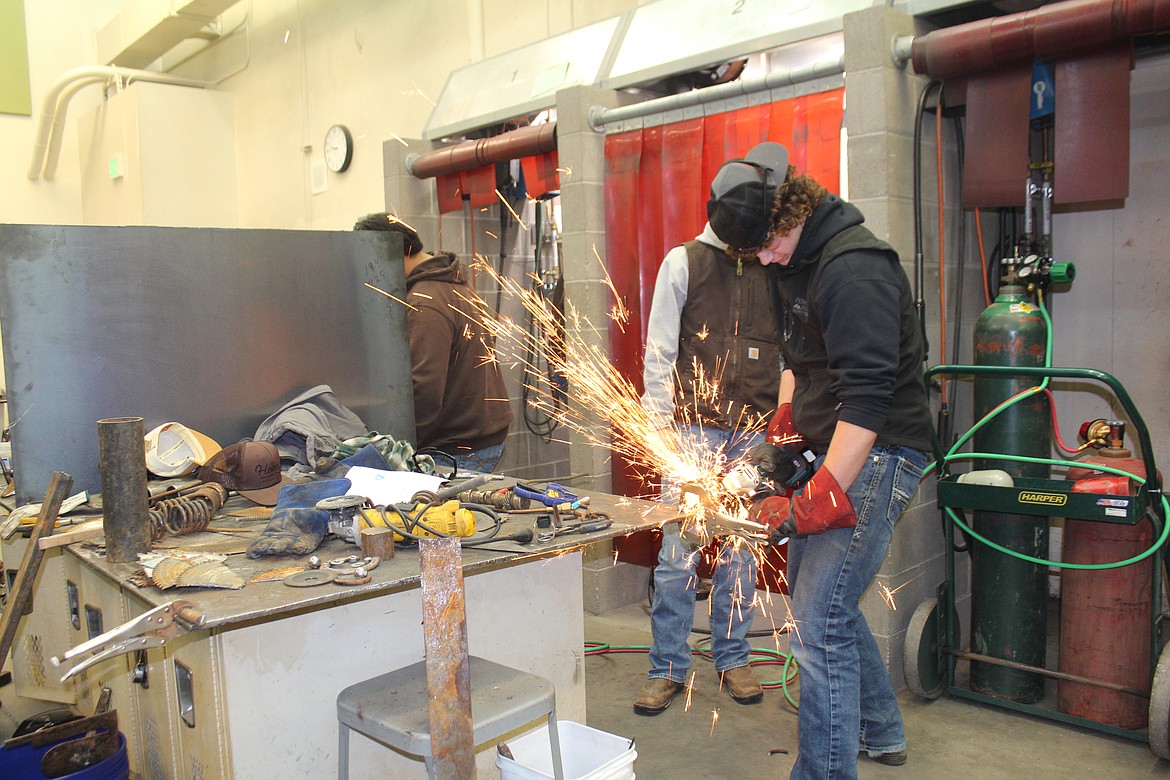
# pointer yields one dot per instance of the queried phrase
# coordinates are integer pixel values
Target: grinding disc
(307, 579)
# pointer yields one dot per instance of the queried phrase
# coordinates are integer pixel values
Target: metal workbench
(251, 692)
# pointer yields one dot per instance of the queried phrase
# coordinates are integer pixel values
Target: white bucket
(586, 754)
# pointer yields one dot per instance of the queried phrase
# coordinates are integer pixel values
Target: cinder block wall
(881, 101)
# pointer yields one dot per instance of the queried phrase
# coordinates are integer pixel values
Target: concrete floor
(947, 737)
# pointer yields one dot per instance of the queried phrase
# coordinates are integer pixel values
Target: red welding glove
(780, 429)
(823, 505)
(775, 512)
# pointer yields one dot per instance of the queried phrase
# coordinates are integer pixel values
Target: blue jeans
(733, 582)
(484, 460)
(846, 701)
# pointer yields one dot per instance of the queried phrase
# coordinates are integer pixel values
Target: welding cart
(932, 649)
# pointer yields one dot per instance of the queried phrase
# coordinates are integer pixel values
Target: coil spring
(186, 514)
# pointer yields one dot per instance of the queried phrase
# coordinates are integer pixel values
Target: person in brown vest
(711, 319)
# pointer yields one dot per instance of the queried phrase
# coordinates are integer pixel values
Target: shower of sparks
(490, 233)
(511, 210)
(422, 295)
(714, 720)
(399, 139)
(565, 171)
(888, 595)
(604, 407)
(618, 312)
(391, 297)
(690, 690)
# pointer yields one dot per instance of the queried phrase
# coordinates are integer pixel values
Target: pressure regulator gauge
(338, 148)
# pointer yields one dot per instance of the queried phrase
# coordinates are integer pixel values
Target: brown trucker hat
(251, 468)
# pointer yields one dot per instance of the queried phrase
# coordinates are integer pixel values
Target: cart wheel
(1159, 730)
(922, 658)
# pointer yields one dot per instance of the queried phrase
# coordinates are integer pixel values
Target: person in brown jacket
(460, 402)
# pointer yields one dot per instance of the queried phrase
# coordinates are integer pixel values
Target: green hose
(953, 454)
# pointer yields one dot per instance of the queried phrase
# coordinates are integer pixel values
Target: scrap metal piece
(271, 575)
(352, 564)
(210, 574)
(357, 577)
(310, 578)
(20, 591)
(166, 572)
(447, 665)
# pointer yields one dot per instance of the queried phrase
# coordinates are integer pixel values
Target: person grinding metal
(461, 406)
(851, 388)
(711, 321)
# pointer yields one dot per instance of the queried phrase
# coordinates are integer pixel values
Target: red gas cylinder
(1106, 614)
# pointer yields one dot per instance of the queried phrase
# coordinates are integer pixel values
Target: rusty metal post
(448, 676)
(122, 460)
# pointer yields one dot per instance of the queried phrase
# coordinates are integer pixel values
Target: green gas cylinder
(1009, 597)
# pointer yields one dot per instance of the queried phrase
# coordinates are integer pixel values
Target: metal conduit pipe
(56, 101)
(512, 145)
(1056, 30)
(600, 117)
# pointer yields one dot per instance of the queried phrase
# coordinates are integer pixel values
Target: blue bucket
(24, 763)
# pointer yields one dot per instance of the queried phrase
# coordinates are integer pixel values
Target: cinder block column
(881, 101)
(413, 200)
(581, 152)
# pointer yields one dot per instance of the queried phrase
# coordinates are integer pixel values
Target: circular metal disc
(922, 658)
(307, 579)
(1159, 731)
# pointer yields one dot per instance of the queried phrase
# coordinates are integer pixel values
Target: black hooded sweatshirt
(850, 334)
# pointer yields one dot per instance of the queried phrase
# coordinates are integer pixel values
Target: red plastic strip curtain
(657, 183)
(477, 184)
(623, 154)
(995, 166)
(449, 192)
(1092, 145)
(649, 229)
(541, 174)
(683, 213)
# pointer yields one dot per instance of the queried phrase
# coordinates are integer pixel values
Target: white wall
(295, 67)
(60, 37)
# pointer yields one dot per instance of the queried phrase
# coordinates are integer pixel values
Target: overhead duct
(51, 125)
(1058, 30)
(987, 64)
(512, 145)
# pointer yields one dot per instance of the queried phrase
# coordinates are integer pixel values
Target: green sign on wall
(15, 94)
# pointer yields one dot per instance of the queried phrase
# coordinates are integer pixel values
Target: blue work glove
(297, 527)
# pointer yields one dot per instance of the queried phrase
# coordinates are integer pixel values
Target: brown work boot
(742, 684)
(655, 695)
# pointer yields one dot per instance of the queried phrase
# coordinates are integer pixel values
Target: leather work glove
(823, 505)
(297, 527)
(781, 430)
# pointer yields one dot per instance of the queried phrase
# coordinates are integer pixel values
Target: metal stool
(393, 709)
